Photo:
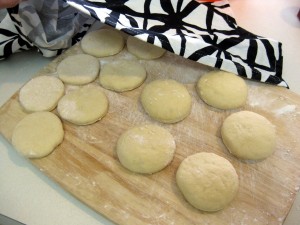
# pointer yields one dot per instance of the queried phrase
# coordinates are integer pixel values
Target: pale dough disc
(102, 43)
(248, 135)
(167, 101)
(222, 90)
(146, 149)
(41, 93)
(142, 49)
(37, 134)
(78, 69)
(122, 75)
(207, 181)
(83, 106)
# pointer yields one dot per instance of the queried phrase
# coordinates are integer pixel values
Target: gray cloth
(50, 26)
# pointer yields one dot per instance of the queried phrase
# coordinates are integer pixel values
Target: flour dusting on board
(257, 99)
(267, 100)
(76, 179)
(285, 110)
(92, 173)
(85, 133)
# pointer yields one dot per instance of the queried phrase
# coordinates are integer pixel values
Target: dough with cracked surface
(248, 135)
(207, 181)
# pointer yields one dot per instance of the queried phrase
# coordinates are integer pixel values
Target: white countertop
(31, 198)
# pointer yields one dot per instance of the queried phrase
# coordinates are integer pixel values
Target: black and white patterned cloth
(203, 32)
(49, 26)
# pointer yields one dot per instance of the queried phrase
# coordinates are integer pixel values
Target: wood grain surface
(86, 165)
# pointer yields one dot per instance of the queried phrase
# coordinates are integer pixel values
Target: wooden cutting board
(85, 164)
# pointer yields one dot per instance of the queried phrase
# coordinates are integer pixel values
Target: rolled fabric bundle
(48, 26)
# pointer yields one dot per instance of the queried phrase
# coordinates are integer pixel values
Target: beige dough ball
(143, 50)
(122, 75)
(37, 134)
(167, 101)
(248, 135)
(222, 90)
(146, 149)
(207, 181)
(83, 106)
(41, 93)
(78, 69)
(102, 43)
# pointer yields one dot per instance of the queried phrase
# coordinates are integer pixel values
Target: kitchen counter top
(31, 198)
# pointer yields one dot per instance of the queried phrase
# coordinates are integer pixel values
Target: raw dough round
(142, 49)
(146, 149)
(37, 134)
(166, 101)
(222, 90)
(248, 135)
(78, 69)
(83, 106)
(102, 43)
(41, 93)
(122, 75)
(208, 182)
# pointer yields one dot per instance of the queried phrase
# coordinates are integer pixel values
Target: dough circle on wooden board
(142, 49)
(102, 43)
(41, 93)
(167, 101)
(146, 149)
(83, 106)
(37, 134)
(78, 69)
(222, 90)
(122, 75)
(208, 182)
(248, 135)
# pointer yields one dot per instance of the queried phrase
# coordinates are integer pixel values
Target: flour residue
(285, 110)
(76, 179)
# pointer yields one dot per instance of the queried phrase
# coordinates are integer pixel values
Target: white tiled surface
(30, 197)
